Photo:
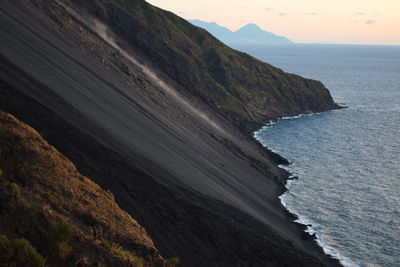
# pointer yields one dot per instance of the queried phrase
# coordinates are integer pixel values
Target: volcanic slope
(76, 77)
(66, 216)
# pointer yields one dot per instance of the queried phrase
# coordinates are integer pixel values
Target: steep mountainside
(67, 217)
(130, 94)
(249, 34)
(234, 82)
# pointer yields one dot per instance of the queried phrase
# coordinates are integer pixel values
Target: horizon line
(294, 42)
(328, 43)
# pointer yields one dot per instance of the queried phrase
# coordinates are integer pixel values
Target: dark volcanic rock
(158, 111)
(235, 83)
(181, 222)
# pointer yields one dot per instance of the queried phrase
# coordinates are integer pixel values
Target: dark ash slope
(205, 192)
(234, 82)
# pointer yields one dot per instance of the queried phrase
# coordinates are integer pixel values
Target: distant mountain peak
(251, 33)
(250, 26)
(253, 29)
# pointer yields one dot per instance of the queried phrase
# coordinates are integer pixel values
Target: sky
(302, 21)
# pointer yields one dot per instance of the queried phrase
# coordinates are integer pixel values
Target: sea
(346, 163)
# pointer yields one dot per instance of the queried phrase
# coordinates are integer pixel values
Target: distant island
(248, 34)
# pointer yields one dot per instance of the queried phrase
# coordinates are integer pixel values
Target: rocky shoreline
(205, 194)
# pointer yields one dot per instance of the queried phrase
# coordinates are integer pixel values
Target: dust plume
(103, 32)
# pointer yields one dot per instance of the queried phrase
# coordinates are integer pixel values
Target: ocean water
(347, 161)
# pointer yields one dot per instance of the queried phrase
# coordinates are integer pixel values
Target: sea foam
(310, 230)
(301, 219)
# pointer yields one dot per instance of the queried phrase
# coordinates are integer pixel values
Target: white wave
(304, 221)
(300, 116)
(331, 251)
(293, 117)
(286, 168)
(257, 133)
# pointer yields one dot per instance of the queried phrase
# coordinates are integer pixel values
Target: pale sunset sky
(302, 21)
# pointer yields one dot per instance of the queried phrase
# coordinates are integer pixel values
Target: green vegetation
(117, 250)
(233, 81)
(59, 247)
(62, 212)
(49, 196)
(171, 262)
(14, 189)
(19, 252)
(63, 250)
(106, 244)
(137, 261)
(62, 232)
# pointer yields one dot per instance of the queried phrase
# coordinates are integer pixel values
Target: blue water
(347, 161)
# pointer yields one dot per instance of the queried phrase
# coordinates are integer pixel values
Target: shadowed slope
(39, 187)
(180, 221)
(122, 105)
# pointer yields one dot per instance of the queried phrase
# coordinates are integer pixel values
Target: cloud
(282, 14)
(358, 13)
(313, 14)
(370, 21)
